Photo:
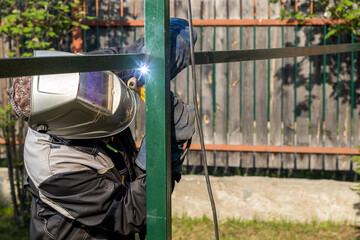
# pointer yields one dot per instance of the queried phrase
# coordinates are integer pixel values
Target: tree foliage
(38, 24)
(28, 25)
(345, 10)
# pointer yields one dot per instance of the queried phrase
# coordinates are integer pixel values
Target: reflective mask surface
(81, 105)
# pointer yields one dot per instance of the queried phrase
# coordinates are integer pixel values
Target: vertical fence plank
(261, 86)
(288, 108)
(234, 86)
(356, 118)
(289, 95)
(345, 106)
(181, 80)
(331, 107)
(302, 104)
(316, 160)
(207, 72)
(221, 86)
(275, 90)
(248, 87)
(194, 157)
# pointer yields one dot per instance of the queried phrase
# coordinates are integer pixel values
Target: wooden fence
(294, 113)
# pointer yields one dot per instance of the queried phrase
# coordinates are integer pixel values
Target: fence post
(158, 184)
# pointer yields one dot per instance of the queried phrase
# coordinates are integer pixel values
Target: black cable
(204, 160)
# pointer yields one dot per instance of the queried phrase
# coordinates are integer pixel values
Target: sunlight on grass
(202, 228)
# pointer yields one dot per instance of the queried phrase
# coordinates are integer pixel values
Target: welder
(86, 176)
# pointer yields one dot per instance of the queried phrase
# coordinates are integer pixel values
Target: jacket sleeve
(182, 129)
(96, 200)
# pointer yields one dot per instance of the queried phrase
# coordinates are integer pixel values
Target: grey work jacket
(79, 192)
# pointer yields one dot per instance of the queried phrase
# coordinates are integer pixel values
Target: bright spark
(144, 70)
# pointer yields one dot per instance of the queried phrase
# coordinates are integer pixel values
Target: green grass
(202, 228)
(9, 230)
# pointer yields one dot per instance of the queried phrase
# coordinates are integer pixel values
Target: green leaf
(27, 54)
(52, 34)
(84, 27)
(351, 16)
(17, 31)
(330, 33)
(348, 3)
(27, 29)
(339, 8)
(90, 17)
(75, 23)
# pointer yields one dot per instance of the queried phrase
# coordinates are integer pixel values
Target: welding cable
(204, 160)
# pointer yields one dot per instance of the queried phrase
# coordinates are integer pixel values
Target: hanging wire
(204, 160)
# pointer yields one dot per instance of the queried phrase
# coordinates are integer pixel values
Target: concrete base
(263, 198)
(5, 198)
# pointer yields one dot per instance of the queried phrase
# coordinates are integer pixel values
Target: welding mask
(80, 105)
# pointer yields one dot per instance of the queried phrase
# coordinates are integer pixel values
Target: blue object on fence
(179, 49)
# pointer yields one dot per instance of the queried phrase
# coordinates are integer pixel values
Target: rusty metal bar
(272, 149)
(223, 22)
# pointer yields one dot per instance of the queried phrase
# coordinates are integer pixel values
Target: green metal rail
(67, 64)
(157, 121)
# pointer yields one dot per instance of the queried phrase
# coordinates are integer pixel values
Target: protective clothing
(80, 105)
(82, 189)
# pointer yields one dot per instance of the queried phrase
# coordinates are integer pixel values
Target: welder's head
(74, 105)
(20, 97)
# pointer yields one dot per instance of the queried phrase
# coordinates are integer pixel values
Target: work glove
(182, 129)
(179, 51)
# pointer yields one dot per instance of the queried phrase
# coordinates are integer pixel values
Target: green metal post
(158, 184)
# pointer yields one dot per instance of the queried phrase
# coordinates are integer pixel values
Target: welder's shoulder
(43, 159)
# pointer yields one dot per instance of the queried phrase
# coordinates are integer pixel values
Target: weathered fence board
(221, 86)
(275, 90)
(261, 89)
(356, 118)
(234, 86)
(316, 161)
(247, 88)
(207, 76)
(178, 8)
(345, 106)
(289, 99)
(330, 106)
(302, 93)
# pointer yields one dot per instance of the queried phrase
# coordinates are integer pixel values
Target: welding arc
(197, 115)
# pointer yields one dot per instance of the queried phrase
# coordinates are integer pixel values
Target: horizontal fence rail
(271, 149)
(263, 54)
(13, 67)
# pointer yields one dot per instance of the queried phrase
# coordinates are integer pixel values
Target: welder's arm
(179, 50)
(182, 129)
